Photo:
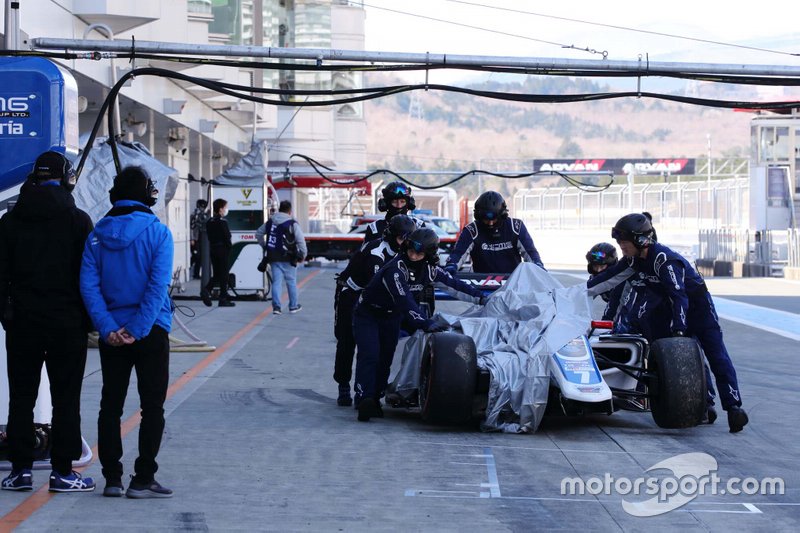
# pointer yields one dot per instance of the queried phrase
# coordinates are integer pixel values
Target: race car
(450, 380)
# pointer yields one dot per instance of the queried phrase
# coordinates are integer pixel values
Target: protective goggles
(400, 190)
(597, 257)
(416, 246)
(621, 235)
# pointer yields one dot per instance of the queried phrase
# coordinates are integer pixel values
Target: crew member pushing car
(350, 282)
(384, 303)
(669, 275)
(496, 242)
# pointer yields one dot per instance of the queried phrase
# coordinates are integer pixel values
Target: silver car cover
(515, 334)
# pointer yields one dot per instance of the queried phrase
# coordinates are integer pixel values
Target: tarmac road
(254, 441)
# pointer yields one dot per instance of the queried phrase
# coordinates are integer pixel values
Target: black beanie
(130, 184)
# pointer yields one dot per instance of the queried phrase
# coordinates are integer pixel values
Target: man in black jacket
(41, 243)
(219, 243)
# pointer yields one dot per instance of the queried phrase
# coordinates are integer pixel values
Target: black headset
(68, 177)
(150, 194)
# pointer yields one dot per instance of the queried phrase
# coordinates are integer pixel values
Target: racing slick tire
(448, 376)
(678, 396)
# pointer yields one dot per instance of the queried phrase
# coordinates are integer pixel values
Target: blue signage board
(38, 112)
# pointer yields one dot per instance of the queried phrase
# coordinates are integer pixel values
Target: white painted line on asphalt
(537, 449)
(292, 343)
(472, 464)
(766, 319)
(752, 507)
(428, 493)
(491, 469)
(774, 321)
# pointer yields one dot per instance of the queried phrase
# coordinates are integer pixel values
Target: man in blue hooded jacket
(125, 277)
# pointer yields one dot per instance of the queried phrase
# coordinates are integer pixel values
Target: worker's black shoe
(737, 419)
(206, 297)
(226, 303)
(710, 416)
(344, 399)
(367, 408)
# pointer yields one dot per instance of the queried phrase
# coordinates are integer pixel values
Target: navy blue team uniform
(352, 280)
(669, 276)
(375, 229)
(384, 304)
(499, 250)
(494, 241)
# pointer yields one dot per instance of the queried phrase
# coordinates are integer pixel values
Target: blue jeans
(284, 270)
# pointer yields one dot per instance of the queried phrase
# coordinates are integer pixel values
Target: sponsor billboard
(640, 166)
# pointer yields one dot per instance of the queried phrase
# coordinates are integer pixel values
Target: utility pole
(708, 170)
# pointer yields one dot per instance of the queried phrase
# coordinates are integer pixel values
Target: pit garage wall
(178, 212)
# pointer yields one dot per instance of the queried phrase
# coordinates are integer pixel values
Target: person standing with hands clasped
(125, 277)
(41, 241)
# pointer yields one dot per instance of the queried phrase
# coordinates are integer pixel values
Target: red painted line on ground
(42, 495)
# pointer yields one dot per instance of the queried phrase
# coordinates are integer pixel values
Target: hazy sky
(764, 24)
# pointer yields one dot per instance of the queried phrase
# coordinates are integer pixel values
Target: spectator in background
(285, 246)
(125, 277)
(196, 223)
(219, 243)
(41, 242)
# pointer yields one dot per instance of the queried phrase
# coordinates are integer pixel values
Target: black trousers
(196, 259)
(221, 269)
(343, 304)
(376, 339)
(63, 352)
(150, 357)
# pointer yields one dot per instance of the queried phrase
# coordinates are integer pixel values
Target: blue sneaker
(18, 480)
(74, 482)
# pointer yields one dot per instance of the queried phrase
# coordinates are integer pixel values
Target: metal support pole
(326, 55)
(630, 190)
(110, 35)
(205, 254)
(11, 26)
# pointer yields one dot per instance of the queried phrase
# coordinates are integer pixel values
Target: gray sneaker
(114, 489)
(152, 489)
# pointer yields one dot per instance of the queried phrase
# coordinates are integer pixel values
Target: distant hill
(449, 131)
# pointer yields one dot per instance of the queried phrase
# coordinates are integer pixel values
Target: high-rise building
(213, 129)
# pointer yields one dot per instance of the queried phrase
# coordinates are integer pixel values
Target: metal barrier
(793, 248)
(681, 206)
(745, 252)
(725, 245)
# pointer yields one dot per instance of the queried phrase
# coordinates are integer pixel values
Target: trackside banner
(618, 166)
